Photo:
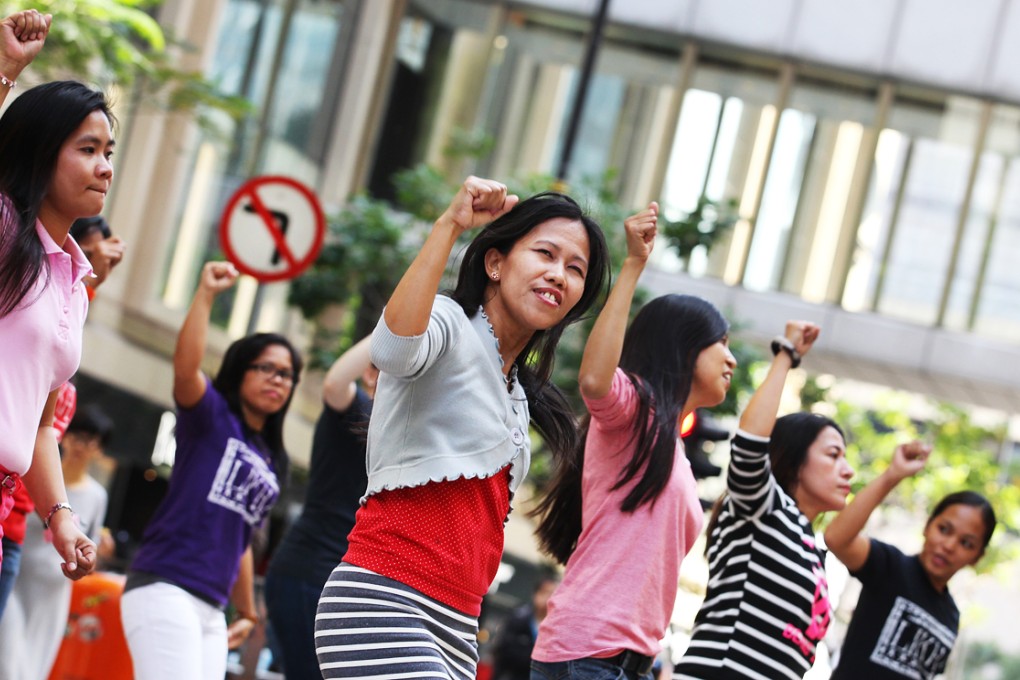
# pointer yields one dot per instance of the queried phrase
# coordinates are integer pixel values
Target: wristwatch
(781, 343)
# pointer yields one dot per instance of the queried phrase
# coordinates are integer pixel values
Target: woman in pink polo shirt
(630, 492)
(56, 141)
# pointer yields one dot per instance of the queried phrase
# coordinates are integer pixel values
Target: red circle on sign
(294, 265)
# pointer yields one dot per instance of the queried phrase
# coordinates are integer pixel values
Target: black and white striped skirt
(370, 626)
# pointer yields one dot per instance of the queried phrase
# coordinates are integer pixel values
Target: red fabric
(13, 527)
(444, 539)
(6, 504)
(67, 402)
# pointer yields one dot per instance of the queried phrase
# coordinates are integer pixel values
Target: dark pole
(590, 53)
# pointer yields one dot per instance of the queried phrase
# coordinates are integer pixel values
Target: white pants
(172, 634)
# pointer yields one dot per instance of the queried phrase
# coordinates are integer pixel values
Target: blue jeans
(291, 603)
(582, 669)
(9, 569)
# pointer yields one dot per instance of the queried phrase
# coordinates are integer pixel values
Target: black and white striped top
(767, 602)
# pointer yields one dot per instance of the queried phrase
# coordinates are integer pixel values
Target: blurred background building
(870, 148)
(870, 151)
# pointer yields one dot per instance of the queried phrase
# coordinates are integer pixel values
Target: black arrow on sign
(282, 221)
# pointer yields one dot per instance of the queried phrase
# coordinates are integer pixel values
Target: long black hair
(789, 442)
(974, 500)
(791, 437)
(236, 362)
(551, 413)
(32, 132)
(660, 351)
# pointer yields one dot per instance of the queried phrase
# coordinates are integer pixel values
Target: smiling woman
(628, 489)
(448, 441)
(906, 622)
(762, 553)
(195, 555)
(55, 142)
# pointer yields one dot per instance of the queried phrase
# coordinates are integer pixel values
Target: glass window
(434, 85)
(779, 200)
(921, 247)
(534, 79)
(802, 232)
(288, 65)
(718, 150)
(888, 166)
(690, 162)
(996, 309)
(985, 194)
(912, 211)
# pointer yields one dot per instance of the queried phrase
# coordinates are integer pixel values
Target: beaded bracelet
(7, 82)
(57, 507)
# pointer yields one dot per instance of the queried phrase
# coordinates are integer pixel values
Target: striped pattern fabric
(767, 600)
(370, 626)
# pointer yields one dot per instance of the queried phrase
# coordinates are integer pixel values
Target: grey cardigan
(442, 410)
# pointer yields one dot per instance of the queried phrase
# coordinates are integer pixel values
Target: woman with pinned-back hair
(767, 603)
(196, 557)
(104, 250)
(629, 489)
(906, 621)
(461, 380)
(56, 142)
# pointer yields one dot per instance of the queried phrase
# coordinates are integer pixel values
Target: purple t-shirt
(221, 488)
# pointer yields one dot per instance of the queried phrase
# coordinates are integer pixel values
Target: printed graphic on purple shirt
(913, 642)
(244, 483)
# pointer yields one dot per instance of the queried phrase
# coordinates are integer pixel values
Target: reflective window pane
(289, 67)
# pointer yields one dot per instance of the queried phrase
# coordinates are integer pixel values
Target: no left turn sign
(272, 228)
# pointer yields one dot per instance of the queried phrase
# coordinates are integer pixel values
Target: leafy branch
(703, 226)
(119, 43)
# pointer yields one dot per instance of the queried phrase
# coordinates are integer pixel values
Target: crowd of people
(420, 451)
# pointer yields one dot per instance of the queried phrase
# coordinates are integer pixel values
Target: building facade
(869, 150)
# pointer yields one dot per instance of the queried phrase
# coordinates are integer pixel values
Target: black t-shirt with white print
(902, 627)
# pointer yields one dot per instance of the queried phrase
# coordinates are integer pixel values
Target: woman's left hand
(641, 230)
(22, 35)
(478, 202)
(802, 334)
(909, 459)
(238, 632)
(75, 548)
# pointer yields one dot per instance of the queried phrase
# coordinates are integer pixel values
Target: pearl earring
(495, 276)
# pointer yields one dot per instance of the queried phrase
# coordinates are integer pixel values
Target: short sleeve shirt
(902, 627)
(222, 487)
(634, 595)
(337, 479)
(41, 342)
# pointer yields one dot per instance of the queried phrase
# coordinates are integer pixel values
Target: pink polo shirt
(40, 345)
(620, 584)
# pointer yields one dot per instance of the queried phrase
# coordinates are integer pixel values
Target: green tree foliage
(965, 456)
(423, 191)
(742, 384)
(369, 245)
(703, 226)
(987, 660)
(119, 43)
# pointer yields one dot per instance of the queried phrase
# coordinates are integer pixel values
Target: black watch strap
(781, 343)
